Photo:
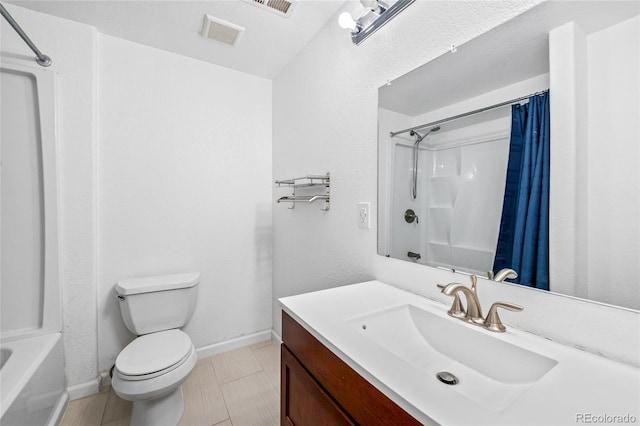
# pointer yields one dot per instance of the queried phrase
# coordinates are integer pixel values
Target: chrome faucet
(504, 274)
(473, 313)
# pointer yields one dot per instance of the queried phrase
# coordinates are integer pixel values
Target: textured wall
(184, 185)
(72, 47)
(325, 119)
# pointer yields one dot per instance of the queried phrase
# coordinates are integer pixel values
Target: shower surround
(32, 370)
(457, 225)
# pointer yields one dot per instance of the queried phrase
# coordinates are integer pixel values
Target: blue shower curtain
(523, 243)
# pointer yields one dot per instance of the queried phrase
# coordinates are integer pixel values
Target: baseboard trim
(94, 386)
(105, 381)
(236, 343)
(276, 337)
(84, 389)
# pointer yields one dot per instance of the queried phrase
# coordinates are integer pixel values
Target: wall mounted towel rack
(309, 185)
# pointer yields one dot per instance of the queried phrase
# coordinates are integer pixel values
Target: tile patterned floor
(236, 388)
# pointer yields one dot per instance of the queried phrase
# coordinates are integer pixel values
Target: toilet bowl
(151, 369)
(150, 372)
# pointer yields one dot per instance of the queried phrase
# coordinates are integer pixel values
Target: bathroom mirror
(441, 189)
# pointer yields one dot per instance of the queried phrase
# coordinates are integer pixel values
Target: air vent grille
(279, 7)
(225, 32)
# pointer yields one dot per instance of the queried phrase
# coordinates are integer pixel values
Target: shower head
(420, 137)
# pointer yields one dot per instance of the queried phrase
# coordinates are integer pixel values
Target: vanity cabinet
(318, 388)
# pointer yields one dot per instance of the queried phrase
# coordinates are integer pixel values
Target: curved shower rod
(41, 58)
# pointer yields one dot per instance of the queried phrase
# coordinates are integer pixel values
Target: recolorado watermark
(590, 418)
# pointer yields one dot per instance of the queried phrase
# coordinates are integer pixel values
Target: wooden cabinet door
(303, 401)
(364, 403)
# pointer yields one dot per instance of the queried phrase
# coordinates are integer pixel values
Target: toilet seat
(153, 355)
(148, 388)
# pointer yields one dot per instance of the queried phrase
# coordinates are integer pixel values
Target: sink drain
(447, 378)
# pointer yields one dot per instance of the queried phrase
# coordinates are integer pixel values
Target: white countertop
(579, 386)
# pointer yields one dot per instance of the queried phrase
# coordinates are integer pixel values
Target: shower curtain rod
(466, 114)
(41, 58)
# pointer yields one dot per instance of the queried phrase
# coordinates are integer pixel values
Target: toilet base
(164, 411)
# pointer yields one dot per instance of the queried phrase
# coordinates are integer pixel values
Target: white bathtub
(32, 381)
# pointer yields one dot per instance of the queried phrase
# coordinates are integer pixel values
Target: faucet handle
(493, 322)
(456, 310)
(503, 274)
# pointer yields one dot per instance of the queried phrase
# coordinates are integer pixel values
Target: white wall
(185, 185)
(331, 125)
(567, 198)
(72, 47)
(325, 114)
(595, 237)
(614, 176)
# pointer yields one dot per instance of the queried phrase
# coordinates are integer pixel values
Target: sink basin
(491, 372)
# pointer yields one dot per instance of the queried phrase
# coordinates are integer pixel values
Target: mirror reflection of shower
(419, 138)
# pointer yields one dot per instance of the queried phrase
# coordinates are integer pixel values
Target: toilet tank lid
(157, 283)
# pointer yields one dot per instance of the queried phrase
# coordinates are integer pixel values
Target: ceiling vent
(279, 7)
(222, 31)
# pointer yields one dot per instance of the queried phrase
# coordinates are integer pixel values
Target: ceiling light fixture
(375, 15)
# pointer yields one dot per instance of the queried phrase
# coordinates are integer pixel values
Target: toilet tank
(157, 303)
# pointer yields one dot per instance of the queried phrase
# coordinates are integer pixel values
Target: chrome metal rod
(318, 197)
(302, 198)
(466, 114)
(41, 58)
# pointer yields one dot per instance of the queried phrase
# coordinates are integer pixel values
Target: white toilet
(151, 369)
